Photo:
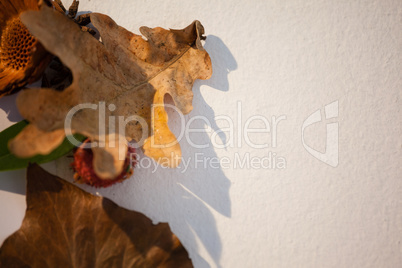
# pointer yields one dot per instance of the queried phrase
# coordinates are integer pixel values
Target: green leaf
(8, 161)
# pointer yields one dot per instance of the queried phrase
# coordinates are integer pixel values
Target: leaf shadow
(204, 188)
(8, 105)
(189, 199)
(223, 62)
(12, 181)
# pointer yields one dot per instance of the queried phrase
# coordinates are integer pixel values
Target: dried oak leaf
(67, 227)
(126, 72)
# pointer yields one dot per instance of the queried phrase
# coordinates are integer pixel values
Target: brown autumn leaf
(67, 227)
(127, 73)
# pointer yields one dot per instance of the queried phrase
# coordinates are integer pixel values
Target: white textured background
(277, 58)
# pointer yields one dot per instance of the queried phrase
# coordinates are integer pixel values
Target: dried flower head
(22, 58)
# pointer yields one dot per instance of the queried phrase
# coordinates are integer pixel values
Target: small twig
(83, 19)
(60, 5)
(72, 11)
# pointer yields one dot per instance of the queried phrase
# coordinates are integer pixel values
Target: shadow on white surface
(7, 104)
(202, 192)
(223, 63)
(13, 181)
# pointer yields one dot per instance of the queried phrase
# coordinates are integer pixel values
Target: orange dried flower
(22, 58)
